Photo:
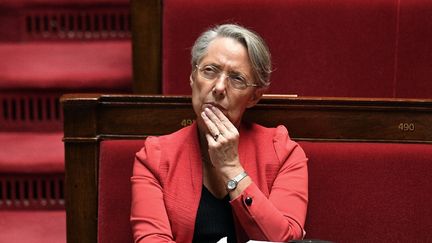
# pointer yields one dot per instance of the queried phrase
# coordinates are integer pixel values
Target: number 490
(406, 127)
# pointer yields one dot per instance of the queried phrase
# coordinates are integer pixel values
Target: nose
(219, 88)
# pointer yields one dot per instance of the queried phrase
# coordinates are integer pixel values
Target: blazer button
(248, 201)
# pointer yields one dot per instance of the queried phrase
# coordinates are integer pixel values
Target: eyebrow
(218, 66)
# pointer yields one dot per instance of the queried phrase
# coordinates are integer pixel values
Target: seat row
(49, 48)
(346, 48)
(319, 48)
(369, 179)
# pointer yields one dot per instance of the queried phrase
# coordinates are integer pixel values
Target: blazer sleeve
(149, 219)
(281, 216)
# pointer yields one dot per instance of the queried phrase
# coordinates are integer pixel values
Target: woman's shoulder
(172, 141)
(278, 132)
(157, 149)
(176, 137)
(279, 136)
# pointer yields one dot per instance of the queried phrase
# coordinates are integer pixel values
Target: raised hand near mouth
(223, 140)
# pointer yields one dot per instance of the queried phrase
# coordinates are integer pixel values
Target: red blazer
(167, 184)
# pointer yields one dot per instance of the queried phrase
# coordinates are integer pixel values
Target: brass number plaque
(186, 122)
(406, 127)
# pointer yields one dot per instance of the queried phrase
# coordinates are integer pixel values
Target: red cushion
(58, 2)
(414, 71)
(33, 226)
(358, 192)
(25, 152)
(345, 48)
(369, 192)
(115, 169)
(71, 66)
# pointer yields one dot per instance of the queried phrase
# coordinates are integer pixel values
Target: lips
(210, 104)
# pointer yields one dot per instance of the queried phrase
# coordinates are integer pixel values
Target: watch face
(231, 185)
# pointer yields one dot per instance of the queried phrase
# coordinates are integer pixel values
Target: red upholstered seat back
(48, 48)
(369, 192)
(358, 192)
(355, 48)
(115, 169)
(414, 69)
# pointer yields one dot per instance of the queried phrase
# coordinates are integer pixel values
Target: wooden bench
(369, 161)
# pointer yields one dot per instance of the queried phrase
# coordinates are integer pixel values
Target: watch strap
(240, 176)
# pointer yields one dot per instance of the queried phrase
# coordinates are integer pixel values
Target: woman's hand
(223, 140)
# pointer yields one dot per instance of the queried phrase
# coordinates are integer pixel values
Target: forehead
(227, 53)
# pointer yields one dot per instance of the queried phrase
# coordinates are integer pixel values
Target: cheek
(195, 98)
(235, 113)
(201, 89)
(198, 96)
(240, 105)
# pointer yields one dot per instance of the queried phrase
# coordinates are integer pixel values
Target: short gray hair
(259, 54)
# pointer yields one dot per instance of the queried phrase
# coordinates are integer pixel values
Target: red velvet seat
(35, 72)
(30, 133)
(96, 66)
(358, 192)
(116, 161)
(356, 48)
(414, 72)
(31, 169)
(49, 48)
(26, 152)
(37, 226)
(369, 192)
(57, 2)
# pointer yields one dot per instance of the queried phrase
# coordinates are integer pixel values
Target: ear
(256, 96)
(191, 80)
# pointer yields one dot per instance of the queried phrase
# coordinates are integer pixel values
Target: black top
(214, 219)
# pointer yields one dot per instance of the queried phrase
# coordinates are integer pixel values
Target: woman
(220, 176)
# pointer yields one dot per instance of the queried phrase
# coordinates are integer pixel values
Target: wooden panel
(147, 46)
(81, 161)
(81, 191)
(344, 119)
(90, 118)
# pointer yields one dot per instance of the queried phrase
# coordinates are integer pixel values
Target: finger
(212, 143)
(225, 121)
(216, 120)
(213, 130)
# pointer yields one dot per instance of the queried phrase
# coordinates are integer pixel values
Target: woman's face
(231, 58)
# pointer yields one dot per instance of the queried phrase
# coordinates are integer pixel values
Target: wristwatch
(232, 184)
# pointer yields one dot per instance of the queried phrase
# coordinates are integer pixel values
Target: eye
(210, 71)
(237, 81)
(238, 78)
